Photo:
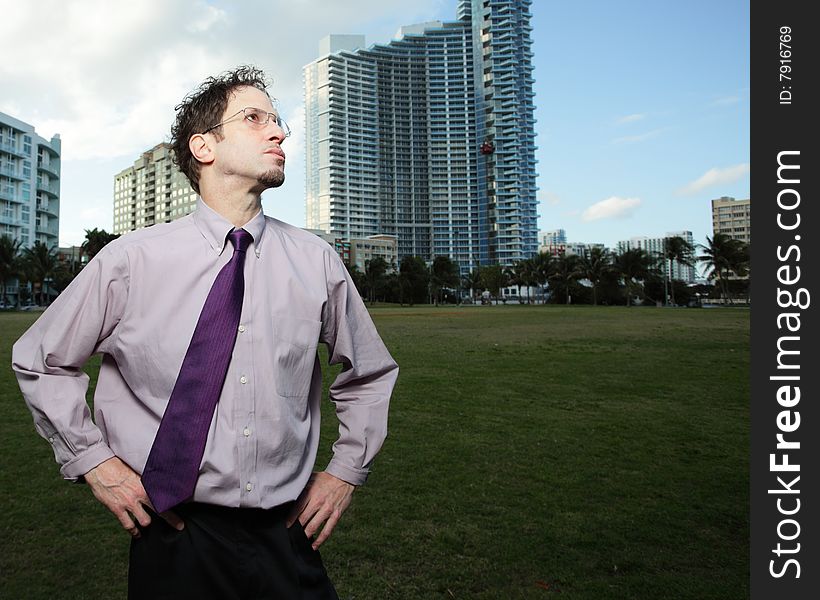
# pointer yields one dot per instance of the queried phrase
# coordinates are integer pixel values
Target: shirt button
(243, 379)
(248, 487)
(241, 329)
(247, 432)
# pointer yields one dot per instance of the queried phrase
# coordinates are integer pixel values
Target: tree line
(599, 277)
(40, 270)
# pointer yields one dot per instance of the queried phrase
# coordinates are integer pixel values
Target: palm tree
(472, 282)
(413, 280)
(41, 263)
(634, 266)
(528, 275)
(677, 249)
(95, 240)
(443, 274)
(594, 266)
(9, 259)
(542, 267)
(566, 271)
(724, 256)
(515, 276)
(358, 278)
(375, 270)
(493, 278)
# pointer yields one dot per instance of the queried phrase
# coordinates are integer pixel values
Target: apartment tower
(151, 191)
(429, 138)
(29, 184)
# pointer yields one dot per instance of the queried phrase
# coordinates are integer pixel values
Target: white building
(552, 238)
(733, 218)
(29, 184)
(29, 190)
(655, 247)
(429, 138)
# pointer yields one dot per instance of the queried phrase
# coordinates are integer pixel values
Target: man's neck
(236, 208)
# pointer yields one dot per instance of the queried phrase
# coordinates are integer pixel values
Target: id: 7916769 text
(785, 65)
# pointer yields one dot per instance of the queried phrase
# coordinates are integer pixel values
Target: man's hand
(120, 490)
(323, 501)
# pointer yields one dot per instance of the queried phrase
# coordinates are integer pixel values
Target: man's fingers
(313, 525)
(173, 520)
(327, 529)
(127, 522)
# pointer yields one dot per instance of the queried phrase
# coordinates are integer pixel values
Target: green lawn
(534, 452)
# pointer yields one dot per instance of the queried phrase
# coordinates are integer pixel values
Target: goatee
(272, 178)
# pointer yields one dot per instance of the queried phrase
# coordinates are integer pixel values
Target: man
(207, 404)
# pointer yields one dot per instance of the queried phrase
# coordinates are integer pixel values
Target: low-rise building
(733, 218)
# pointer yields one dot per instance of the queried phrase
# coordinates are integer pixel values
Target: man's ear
(200, 147)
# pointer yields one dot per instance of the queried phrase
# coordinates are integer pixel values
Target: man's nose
(275, 131)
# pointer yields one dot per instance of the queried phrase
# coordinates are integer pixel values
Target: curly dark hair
(204, 107)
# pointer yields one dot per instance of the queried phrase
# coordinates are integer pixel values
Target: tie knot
(240, 239)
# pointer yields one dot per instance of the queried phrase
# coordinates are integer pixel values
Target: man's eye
(253, 117)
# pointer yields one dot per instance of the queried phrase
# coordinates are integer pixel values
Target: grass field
(534, 452)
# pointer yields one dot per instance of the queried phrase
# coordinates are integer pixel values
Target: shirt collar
(215, 228)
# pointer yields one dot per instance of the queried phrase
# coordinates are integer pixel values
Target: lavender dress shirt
(137, 303)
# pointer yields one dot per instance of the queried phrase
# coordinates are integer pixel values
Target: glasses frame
(275, 117)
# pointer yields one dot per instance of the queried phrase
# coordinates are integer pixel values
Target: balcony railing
(10, 221)
(51, 208)
(11, 149)
(51, 168)
(50, 188)
(10, 171)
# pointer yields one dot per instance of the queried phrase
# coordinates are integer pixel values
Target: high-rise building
(552, 238)
(656, 249)
(733, 218)
(429, 138)
(29, 184)
(152, 191)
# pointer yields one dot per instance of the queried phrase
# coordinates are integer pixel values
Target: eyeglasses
(257, 118)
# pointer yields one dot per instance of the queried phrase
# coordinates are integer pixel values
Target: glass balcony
(52, 189)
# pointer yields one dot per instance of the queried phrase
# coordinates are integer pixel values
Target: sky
(642, 106)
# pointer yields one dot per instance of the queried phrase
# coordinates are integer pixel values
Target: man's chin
(273, 178)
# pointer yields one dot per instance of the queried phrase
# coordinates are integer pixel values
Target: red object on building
(487, 147)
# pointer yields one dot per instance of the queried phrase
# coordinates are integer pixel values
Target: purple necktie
(172, 468)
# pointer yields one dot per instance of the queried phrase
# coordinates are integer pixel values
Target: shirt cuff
(346, 473)
(81, 464)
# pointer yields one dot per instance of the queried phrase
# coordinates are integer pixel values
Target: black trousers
(226, 554)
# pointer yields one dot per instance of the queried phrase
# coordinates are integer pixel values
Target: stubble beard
(272, 178)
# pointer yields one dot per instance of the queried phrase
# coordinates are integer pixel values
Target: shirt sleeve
(49, 357)
(361, 392)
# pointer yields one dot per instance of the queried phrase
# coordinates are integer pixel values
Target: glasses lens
(281, 122)
(255, 116)
(260, 118)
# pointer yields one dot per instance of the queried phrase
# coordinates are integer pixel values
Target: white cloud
(715, 177)
(207, 19)
(630, 119)
(548, 197)
(107, 75)
(611, 208)
(726, 101)
(641, 137)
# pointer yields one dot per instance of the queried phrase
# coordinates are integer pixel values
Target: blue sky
(639, 101)
(642, 105)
